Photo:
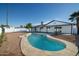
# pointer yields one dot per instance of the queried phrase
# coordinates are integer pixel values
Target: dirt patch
(11, 46)
(70, 38)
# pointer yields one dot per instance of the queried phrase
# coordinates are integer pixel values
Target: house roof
(55, 23)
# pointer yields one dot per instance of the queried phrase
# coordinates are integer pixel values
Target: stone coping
(27, 49)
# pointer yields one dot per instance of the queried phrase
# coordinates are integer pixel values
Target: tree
(28, 26)
(75, 16)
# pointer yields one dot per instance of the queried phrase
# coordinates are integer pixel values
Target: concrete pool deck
(28, 50)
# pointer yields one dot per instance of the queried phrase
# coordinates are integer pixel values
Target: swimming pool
(41, 41)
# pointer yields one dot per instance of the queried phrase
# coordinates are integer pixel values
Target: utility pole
(7, 15)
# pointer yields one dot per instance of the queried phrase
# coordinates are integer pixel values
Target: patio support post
(71, 28)
(56, 30)
(46, 29)
(35, 29)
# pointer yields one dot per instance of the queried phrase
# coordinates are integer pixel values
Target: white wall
(74, 29)
(0, 30)
(64, 29)
(13, 29)
(44, 29)
(20, 29)
(38, 29)
(51, 29)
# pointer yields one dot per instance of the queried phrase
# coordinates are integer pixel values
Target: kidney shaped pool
(41, 41)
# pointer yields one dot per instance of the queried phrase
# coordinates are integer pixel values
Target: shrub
(2, 34)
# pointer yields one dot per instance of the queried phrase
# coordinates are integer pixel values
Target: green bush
(2, 34)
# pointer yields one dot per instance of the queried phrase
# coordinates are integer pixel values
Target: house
(55, 26)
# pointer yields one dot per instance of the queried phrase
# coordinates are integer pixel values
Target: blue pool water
(41, 41)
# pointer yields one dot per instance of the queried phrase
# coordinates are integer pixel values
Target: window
(48, 27)
(41, 28)
(57, 27)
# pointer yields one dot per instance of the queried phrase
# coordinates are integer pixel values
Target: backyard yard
(11, 46)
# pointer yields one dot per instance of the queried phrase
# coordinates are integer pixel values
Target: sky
(21, 14)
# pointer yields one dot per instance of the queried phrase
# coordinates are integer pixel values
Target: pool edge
(69, 51)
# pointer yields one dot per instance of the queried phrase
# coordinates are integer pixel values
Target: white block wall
(12, 29)
(0, 30)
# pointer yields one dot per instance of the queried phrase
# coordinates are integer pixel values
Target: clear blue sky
(19, 14)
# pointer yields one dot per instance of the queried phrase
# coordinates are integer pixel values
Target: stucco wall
(64, 29)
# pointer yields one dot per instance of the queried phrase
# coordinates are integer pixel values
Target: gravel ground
(11, 46)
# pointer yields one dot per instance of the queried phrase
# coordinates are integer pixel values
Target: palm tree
(75, 16)
(28, 26)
